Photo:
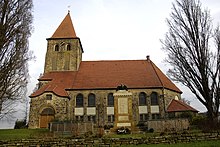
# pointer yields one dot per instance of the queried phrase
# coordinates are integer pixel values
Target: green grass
(10, 134)
(213, 143)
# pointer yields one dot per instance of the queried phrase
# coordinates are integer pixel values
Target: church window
(56, 47)
(111, 118)
(79, 100)
(79, 118)
(91, 100)
(143, 117)
(92, 118)
(110, 99)
(48, 97)
(68, 47)
(154, 98)
(142, 99)
(156, 116)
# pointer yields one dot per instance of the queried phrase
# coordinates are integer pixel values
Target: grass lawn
(12, 134)
(9, 134)
(213, 143)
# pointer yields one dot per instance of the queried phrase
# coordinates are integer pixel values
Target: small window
(155, 116)
(142, 99)
(154, 98)
(110, 100)
(56, 47)
(92, 118)
(111, 118)
(143, 117)
(79, 118)
(68, 47)
(48, 97)
(79, 100)
(91, 100)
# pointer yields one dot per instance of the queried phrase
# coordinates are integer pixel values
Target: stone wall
(168, 125)
(63, 60)
(37, 105)
(74, 129)
(65, 109)
(105, 142)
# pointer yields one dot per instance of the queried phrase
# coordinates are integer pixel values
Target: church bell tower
(64, 49)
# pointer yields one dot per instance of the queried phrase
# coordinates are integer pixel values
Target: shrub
(197, 120)
(108, 127)
(204, 124)
(142, 126)
(151, 130)
(20, 124)
(186, 115)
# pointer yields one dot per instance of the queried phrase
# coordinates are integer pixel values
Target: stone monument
(123, 109)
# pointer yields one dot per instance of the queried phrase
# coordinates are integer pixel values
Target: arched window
(68, 47)
(110, 99)
(79, 100)
(154, 98)
(56, 47)
(91, 100)
(142, 99)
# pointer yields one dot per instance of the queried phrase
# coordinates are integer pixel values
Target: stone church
(88, 91)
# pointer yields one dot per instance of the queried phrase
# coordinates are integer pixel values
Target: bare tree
(194, 59)
(15, 29)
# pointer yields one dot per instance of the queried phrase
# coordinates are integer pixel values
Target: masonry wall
(38, 104)
(63, 59)
(105, 142)
(65, 109)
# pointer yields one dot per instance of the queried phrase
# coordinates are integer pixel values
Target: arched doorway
(46, 116)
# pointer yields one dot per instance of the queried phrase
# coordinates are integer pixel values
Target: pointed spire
(65, 29)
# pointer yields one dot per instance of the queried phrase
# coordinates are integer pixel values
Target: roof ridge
(153, 65)
(115, 60)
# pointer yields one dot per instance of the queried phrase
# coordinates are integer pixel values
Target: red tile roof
(58, 82)
(179, 106)
(107, 75)
(65, 29)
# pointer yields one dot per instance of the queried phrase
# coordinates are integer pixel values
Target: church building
(89, 91)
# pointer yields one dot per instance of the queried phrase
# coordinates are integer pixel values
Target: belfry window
(79, 100)
(110, 100)
(56, 47)
(142, 99)
(91, 100)
(154, 98)
(68, 47)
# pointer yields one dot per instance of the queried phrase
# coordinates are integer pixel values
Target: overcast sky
(109, 30)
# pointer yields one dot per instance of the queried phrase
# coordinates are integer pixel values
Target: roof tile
(179, 106)
(65, 29)
(107, 75)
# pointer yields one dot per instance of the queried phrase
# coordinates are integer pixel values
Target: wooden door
(45, 120)
(47, 115)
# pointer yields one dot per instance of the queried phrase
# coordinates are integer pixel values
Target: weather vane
(69, 9)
